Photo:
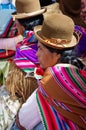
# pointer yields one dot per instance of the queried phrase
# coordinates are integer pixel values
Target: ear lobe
(58, 56)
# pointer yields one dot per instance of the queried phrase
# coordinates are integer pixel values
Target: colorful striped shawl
(25, 57)
(64, 89)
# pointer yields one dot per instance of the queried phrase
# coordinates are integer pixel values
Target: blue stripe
(57, 118)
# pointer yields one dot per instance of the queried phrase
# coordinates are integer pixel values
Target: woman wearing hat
(76, 10)
(60, 100)
(25, 59)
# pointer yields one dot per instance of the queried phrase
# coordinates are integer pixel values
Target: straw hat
(27, 8)
(56, 31)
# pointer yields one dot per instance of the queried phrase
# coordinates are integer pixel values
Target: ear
(57, 56)
(20, 28)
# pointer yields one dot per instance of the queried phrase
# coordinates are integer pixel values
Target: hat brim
(42, 39)
(27, 15)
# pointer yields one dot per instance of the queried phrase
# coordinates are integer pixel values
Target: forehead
(40, 44)
(43, 47)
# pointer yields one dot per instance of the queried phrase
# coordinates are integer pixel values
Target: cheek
(45, 61)
(43, 64)
(41, 58)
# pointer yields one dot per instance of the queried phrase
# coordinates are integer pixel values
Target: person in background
(25, 60)
(76, 10)
(73, 10)
(21, 85)
(83, 10)
(16, 89)
(60, 100)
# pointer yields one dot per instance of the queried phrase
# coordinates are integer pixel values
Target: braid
(31, 22)
(69, 57)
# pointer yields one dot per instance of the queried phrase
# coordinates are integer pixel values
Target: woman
(25, 59)
(21, 85)
(60, 100)
(18, 85)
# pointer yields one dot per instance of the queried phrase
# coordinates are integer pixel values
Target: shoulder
(66, 70)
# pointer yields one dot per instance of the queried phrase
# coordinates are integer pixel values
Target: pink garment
(29, 115)
(10, 43)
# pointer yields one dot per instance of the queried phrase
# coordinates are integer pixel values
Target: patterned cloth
(8, 109)
(62, 98)
(26, 60)
(12, 31)
(25, 57)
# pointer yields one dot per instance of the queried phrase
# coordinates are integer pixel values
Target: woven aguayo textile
(62, 98)
(13, 31)
(25, 57)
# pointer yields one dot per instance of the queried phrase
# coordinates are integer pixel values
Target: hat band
(56, 41)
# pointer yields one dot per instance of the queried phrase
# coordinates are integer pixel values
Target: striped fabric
(52, 120)
(13, 31)
(64, 89)
(25, 57)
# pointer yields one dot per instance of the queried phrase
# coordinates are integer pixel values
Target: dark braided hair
(67, 56)
(29, 23)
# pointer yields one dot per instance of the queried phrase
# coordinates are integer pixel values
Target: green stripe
(28, 69)
(73, 78)
(82, 80)
(10, 28)
(41, 111)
